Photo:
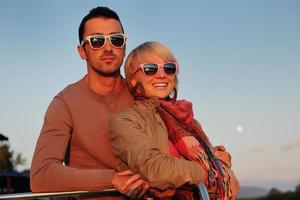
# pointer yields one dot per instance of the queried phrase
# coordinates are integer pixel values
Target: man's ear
(81, 52)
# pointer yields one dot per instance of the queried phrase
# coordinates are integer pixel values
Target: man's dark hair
(97, 12)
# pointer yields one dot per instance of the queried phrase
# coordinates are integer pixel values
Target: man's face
(107, 60)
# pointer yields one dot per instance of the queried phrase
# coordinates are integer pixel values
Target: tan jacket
(140, 141)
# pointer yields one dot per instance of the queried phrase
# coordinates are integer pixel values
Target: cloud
(257, 148)
(291, 145)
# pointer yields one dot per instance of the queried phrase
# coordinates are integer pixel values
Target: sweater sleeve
(137, 149)
(48, 173)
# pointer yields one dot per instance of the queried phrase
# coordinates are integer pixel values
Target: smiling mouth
(160, 85)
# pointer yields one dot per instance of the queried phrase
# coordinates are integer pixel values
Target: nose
(107, 45)
(160, 73)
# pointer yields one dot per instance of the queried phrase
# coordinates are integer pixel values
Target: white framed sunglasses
(97, 41)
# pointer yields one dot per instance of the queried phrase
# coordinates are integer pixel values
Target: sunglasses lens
(150, 69)
(170, 68)
(97, 41)
(117, 40)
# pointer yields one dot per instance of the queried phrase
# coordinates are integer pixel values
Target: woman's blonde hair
(142, 54)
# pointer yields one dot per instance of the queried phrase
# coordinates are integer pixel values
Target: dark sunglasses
(98, 41)
(150, 69)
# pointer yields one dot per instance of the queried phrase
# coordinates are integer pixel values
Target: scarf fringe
(178, 129)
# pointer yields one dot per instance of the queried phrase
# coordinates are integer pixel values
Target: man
(76, 122)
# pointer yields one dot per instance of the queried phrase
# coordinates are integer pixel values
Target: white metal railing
(102, 193)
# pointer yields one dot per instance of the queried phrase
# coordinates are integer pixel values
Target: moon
(240, 129)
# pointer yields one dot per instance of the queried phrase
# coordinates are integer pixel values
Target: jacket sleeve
(48, 173)
(137, 149)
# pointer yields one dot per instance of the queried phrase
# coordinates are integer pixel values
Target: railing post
(203, 192)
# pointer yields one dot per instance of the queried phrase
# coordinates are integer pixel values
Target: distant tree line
(276, 194)
(11, 180)
(9, 162)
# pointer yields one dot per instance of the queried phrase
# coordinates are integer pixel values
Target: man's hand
(223, 155)
(234, 184)
(130, 184)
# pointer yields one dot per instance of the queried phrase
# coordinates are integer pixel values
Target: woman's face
(158, 85)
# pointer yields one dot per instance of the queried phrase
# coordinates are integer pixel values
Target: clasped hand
(130, 184)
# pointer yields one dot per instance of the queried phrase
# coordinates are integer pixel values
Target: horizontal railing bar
(107, 192)
(29, 195)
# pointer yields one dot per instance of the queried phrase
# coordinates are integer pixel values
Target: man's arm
(49, 174)
(47, 170)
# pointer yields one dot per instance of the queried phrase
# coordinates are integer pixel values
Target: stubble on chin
(114, 73)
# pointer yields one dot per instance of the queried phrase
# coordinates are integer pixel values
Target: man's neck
(104, 85)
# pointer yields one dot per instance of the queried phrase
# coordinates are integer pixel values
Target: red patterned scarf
(191, 142)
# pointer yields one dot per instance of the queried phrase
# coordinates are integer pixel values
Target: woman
(158, 136)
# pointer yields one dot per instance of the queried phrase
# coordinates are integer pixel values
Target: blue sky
(239, 65)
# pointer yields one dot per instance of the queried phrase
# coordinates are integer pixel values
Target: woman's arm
(143, 156)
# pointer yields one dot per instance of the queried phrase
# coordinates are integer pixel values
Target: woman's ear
(81, 52)
(138, 90)
(133, 82)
